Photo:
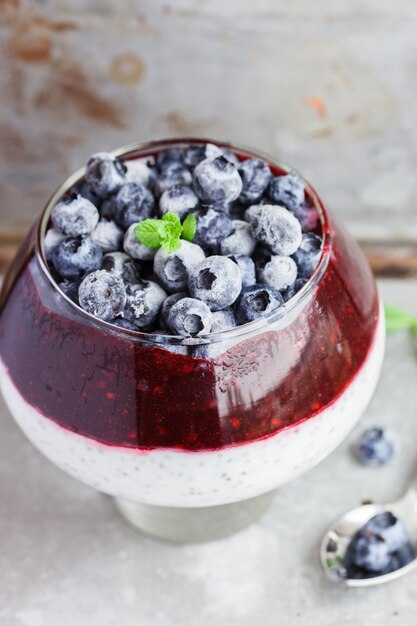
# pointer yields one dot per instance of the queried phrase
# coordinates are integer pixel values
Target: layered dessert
(187, 326)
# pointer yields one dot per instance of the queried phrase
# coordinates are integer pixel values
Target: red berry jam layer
(122, 392)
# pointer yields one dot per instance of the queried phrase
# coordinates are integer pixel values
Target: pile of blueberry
(256, 241)
(381, 546)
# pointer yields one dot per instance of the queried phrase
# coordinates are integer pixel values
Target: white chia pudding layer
(169, 477)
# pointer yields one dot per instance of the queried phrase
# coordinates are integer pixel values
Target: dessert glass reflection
(191, 448)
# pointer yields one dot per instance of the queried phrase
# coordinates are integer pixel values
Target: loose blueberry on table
(193, 242)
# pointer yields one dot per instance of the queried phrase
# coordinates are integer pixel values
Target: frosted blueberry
(178, 199)
(167, 157)
(102, 294)
(173, 174)
(167, 306)
(280, 272)
(294, 288)
(257, 301)
(143, 303)
(133, 203)
(108, 235)
(223, 320)
(217, 181)
(196, 153)
(135, 248)
(52, 238)
(277, 228)
(240, 241)
(83, 189)
(252, 212)
(104, 174)
(247, 268)
(75, 257)
(173, 268)
(212, 226)
(230, 156)
(216, 281)
(308, 217)
(74, 216)
(190, 317)
(287, 190)
(107, 208)
(308, 255)
(375, 447)
(255, 174)
(122, 265)
(389, 527)
(139, 172)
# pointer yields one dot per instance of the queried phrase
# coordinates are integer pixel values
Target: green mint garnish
(397, 319)
(166, 232)
(189, 226)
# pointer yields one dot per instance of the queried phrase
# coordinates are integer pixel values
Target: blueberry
(133, 203)
(173, 174)
(370, 553)
(122, 323)
(255, 175)
(108, 208)
(190, 317)
(277, 228)
(108, 235)
(196, 153)
(223, 320)
(104, 174)
(102, 294)
(75, 257)
(143, 303)
(167, 157)
(83, 189)
(139, 172)
(216, 281)
(389, 527)
(287, 190)
(70, 288)
(167, 306)
(212, 226)
(52, 238)
(75, 217)
(240, 241)
(280, 272)
(294, 288)
(257, 301)
(247, 268)
(173, 268)
(308, 255)
(217, 181)
(229, 156)
(178, 199)
(122, 265)
(135, 248)
(375, 447)
(308, 217)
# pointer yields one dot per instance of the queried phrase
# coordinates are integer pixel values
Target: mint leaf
(189, 226)
(150, 232)
(398, 319)
(170, 239)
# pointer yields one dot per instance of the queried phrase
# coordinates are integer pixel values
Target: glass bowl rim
(146, 148)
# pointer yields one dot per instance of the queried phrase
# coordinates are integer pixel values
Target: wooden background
(330, 87)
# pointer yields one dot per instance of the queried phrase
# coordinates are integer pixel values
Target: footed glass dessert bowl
(188, 424)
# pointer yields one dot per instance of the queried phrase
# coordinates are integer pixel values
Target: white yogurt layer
(191, 479)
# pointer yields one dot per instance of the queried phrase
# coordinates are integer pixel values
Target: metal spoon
(338, 536)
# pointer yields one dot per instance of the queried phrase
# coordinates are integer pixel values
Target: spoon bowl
(338, 536)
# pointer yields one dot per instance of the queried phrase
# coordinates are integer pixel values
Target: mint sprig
(166, 232)
(397, 319)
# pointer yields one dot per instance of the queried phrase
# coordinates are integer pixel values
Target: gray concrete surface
(68, 559)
